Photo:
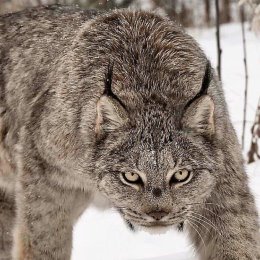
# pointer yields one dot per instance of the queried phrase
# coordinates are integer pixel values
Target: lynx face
(153, 166)
(156, 186)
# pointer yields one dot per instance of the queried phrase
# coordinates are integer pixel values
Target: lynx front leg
(44, 220)
(44, 228)
(7, 214)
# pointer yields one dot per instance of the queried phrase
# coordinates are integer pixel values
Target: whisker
(135, 216)
(196, 213)
(207, 221)
(118, 209)
(205, 203)
(212, 212)
(191, 224)
(238, 230)
(200, 223)
(178, 216)
(205, 208)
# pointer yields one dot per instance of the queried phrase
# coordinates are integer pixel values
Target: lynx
(124, 104)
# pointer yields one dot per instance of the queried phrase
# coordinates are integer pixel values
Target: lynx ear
(110, 115)
(199, 116)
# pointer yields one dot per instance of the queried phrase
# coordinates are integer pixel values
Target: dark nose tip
(158, 215)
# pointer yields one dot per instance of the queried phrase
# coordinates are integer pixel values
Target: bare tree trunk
(207, 12)
(218, 38)
(225, 12)
(242, 15)
(185, 15)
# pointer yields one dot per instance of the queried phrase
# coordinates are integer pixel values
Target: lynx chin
(124, 104)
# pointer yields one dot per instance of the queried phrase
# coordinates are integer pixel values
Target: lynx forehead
(124, 104)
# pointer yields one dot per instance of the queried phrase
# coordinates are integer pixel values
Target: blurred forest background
(191, 14)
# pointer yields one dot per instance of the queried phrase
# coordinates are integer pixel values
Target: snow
(104, 236)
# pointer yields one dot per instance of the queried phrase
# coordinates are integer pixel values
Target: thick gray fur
(63, 139)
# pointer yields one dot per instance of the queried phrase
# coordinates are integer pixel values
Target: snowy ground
(103, 235)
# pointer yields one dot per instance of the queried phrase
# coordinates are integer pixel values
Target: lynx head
(155, 164)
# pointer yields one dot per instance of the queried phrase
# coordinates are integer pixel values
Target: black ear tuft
(206, 80)
(204, 86)
(108, 84)
(108, 80)
(199, 111)
(111, 112)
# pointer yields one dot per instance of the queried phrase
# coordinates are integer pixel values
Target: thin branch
(207, 12)
(242, 14)
(218, 38)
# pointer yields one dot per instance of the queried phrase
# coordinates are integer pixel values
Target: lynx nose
(158, 215)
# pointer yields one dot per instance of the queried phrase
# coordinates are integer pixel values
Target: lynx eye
(181, 176)
(131, 177)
